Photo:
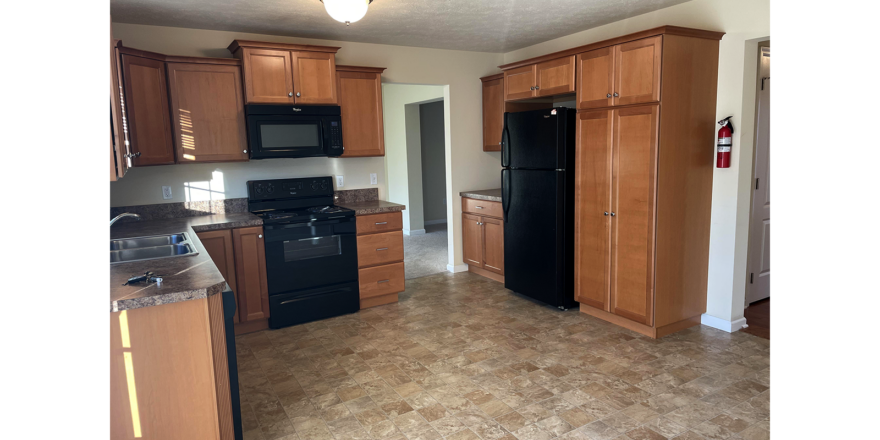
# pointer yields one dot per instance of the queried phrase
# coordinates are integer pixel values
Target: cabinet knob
(298, 94)
(537, 88)
(244, 151)
(616, 94)
(260, 236)
(532, 88)
(608, 95)
(612, 214)
(606, 212)
(290, 94)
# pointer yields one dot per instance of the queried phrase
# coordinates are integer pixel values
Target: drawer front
(377, 249)
(381, 280)
(371, 224)
(481, 207)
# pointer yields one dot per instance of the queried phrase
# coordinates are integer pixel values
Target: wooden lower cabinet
(381, 273)
(166, 358)
(240, 256)
(483, 238)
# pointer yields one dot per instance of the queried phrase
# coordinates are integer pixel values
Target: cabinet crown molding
(176, 59)
(492, 77)
(667, 30)
(239, 44)
(364, 69)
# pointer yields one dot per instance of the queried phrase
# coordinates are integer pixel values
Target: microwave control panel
(290, 188)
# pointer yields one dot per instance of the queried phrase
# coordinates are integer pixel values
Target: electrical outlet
(166, 192)
(373, 179)
(339, 181)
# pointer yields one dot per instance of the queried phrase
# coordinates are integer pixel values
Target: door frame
(749, 262)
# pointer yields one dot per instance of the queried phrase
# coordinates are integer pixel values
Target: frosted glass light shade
(346, 11)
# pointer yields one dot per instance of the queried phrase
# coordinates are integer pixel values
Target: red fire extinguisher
(725, 141)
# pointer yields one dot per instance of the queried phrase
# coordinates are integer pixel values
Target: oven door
(274, 136)
(307, 255)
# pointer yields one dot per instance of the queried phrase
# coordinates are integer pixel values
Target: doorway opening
(758, 283)
(415, 161)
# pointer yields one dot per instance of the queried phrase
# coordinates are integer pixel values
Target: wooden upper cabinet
(220, 249)
(314, 77)
(520, 83)
(207, 110)
(593, 208)
(472, 238)
(633, 200)
(360, 100)
(595, 75)
(268, 76)
(637, 71)
(147, 115)
(493, 244)
(493, 111)
(118, 130)
(250, 273)
(555, 77)
(277, 73)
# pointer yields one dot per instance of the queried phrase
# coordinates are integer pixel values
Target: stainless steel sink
(127, 250)
(142, 242)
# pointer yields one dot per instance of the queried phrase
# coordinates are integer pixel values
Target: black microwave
(277, 131)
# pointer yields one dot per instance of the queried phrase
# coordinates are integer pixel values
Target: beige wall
(468, 167)
(745, 22)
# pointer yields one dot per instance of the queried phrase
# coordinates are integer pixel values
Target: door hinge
(752, 278)
(757, 181)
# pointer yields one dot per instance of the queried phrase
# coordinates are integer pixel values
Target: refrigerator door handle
(505, 193)
(505, 144)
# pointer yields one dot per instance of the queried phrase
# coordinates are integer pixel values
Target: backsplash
(163, 211)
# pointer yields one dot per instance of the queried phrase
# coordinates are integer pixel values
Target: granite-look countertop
(183, 278)
(491, 195)
(371, 206)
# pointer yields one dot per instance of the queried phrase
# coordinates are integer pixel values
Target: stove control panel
(290, 188)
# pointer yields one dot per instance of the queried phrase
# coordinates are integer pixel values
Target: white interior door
(759, 228)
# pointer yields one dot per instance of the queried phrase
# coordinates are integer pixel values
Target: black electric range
(311, 249)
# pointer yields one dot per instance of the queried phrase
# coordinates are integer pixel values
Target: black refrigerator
(537, 193)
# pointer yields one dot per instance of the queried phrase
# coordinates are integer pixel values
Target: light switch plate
(166, 192)
(339, 181)
(373, 179)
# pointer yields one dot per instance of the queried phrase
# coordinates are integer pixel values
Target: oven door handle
(314, 294)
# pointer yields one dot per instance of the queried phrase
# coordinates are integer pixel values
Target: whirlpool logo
(297, 109)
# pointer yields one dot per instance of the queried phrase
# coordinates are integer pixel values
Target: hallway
(426, 254)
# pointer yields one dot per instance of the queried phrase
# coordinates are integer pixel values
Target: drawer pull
(479, 207)
(381, 249)
(382, 223)
(382, 281)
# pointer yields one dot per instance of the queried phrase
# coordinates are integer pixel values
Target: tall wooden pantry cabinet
(646, 116)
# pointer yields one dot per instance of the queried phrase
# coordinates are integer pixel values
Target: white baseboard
(414, 232)
(455, 269)
(435, 222)
(722, 324)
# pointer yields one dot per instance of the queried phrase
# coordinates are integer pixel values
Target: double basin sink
(126, 250)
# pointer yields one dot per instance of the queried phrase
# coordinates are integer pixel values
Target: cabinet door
(637, 71)
(592, 259)
(555, 77)
(360, 99)
(268, 76)
(595, 73)
(633, 196)
(207, 108)
(493, 248)
(118, 135)
(147, 112)
(493, 114)
(472, 237)
(520, 83)
(314, 77)
(220, 249)
(250, 273)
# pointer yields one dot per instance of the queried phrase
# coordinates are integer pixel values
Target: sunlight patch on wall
(206, 190)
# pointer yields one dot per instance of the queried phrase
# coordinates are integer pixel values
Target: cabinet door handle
(606, 212)
(616, 95)
(612, 214)
(290, 94)
(537, 88)
(382, 281)
(381, 249)
(608, 95)
(260, 236)
(381, 223)
(244, 151)
(298, 94)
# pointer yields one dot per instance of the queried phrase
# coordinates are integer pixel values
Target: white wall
(468, 167)
(745, 22)
(403, 147)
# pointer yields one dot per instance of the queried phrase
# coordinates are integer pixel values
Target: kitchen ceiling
(473, 25)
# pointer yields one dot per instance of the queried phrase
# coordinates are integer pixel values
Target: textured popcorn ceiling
(474, 25)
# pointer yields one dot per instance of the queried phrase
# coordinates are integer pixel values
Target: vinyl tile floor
(462, 358)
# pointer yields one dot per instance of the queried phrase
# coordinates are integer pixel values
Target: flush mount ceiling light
(346, 11)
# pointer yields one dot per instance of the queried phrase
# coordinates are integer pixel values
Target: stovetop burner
(325, 209)
(280, 215)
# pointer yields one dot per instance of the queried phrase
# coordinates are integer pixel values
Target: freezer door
(532, 202)
(534, 140)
